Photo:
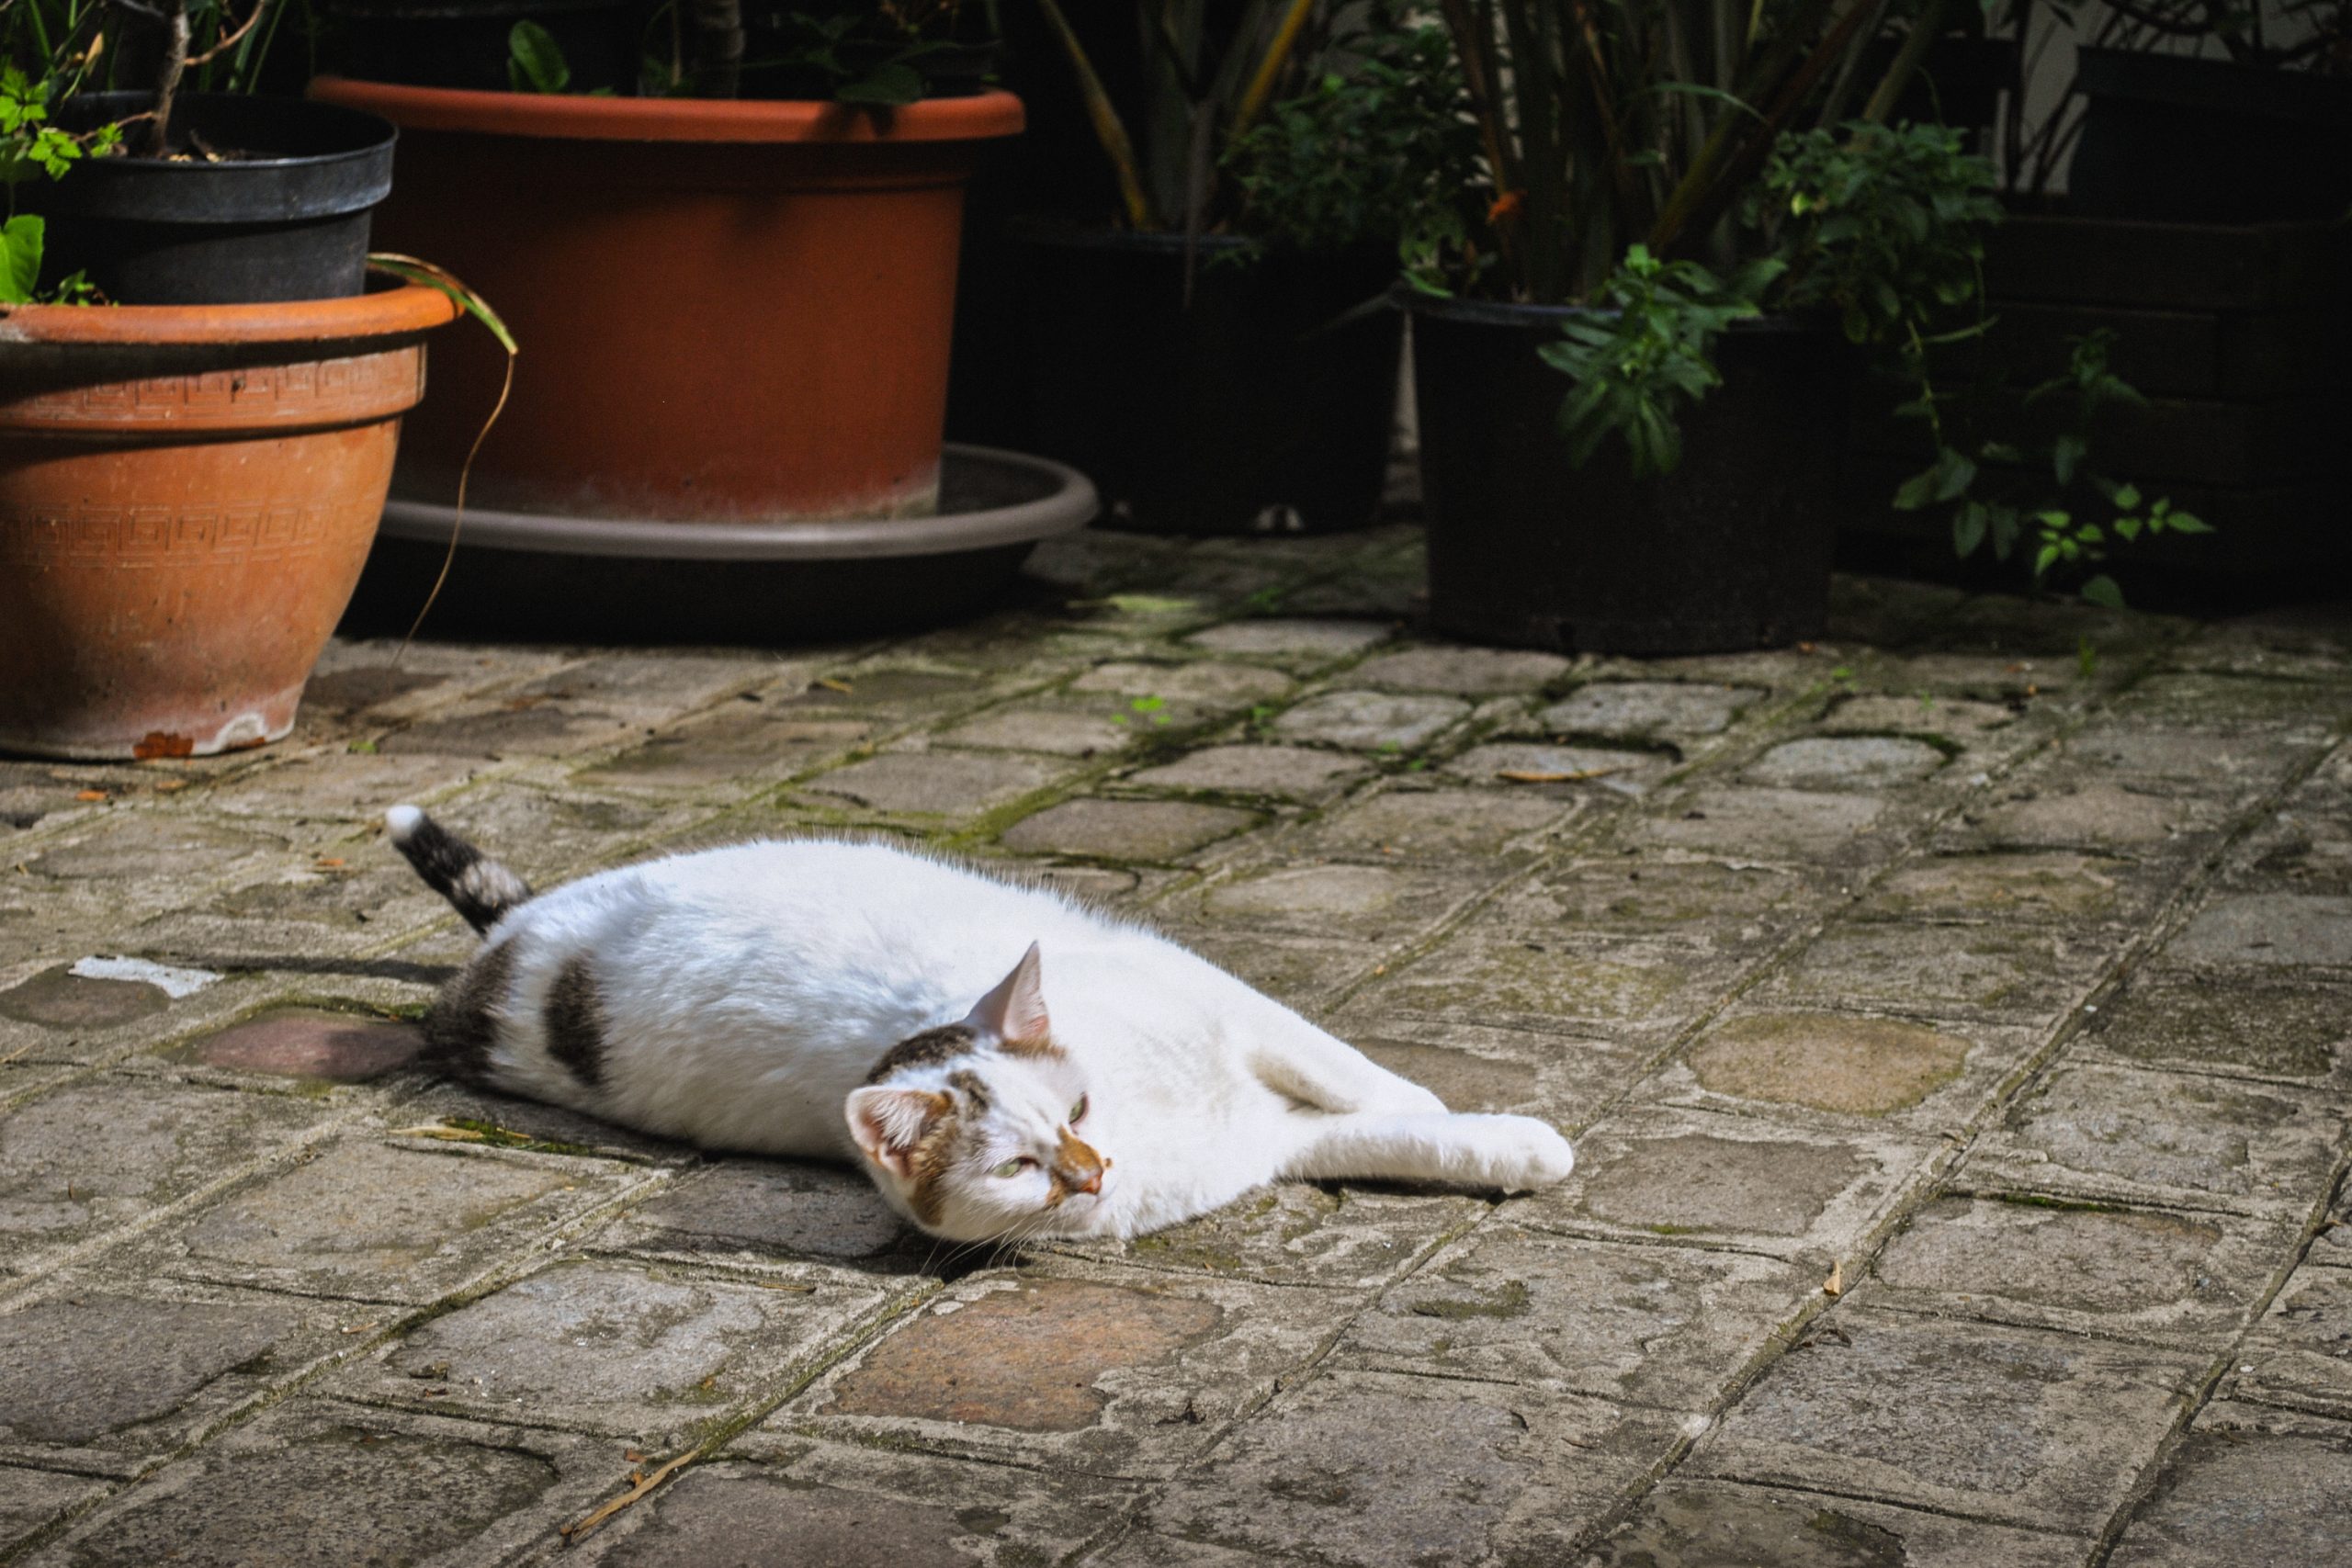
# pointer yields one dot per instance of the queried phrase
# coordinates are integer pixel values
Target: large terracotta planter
(729, 311)
(186, 496)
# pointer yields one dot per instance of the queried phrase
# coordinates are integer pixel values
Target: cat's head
(978, 1129)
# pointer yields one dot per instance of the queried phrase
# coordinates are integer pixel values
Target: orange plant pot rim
(581, 118)
(395, 312)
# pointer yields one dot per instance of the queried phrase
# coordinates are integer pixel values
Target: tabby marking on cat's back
(574, 1019)
(930, 1048)
(461, 1026)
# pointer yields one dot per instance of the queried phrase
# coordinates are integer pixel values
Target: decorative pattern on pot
(164, 596)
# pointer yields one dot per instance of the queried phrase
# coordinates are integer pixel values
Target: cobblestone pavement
(1952, 1018)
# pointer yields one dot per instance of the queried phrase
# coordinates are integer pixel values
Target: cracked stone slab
(1385, 901)
(1845, 762)
(342, 785)
(743, 746)
(304, 911)
(289, 1489)
(2235, 703)
(103, 1152)
(765, 1212)
(107, 1375)
(1100, 728)
(1124, 1374)
(1282, 772)
(1712, 1524)
(2230, 766)
(1308, 641)
(1202, 684)
(2028, 886)
(2251, 1026)
(1438, 824)
(2285, 929)
(451, 1113)
(1303, 973)
(31, 1500)
(373, 1222)
(1630, 986)
(126, 865)
(1149, 830)
(1335, 1234)
(1752, 823)
(1372, 721)
(1491, 1474)
(2015, 1426)
(1622, 771)
(549, 837)
(2103, 1133)
(1648, 710)
(1787, 1191)
(2247, 1496)
(647, 1352)
(819, 1505)
(1955, 718)
(2066, 814)
(2186, 1279)
(938, 784)
(1462, 672)
(2001, 974)
(1732, 902)
(2299, 1354)
(1662, 1326)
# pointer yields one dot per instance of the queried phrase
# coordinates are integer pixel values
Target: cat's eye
(1013, 1166)
(1078, 1111)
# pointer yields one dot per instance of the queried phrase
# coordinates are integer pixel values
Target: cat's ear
(1015, 1011)
(888, 1122)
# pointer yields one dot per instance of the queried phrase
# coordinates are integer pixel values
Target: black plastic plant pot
(282, 214)
(2167, 138)
(463, 44)
(1259, 405)
(1730, 551)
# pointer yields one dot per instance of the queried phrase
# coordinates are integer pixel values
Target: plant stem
(157, 141)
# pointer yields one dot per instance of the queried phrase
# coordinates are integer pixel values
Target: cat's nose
(1092, 1181)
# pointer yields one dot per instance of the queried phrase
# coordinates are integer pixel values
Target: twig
(230, 41)
(573, 1533)
(1536, 775)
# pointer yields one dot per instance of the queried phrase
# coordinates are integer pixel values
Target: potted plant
(1634, 347)
(1205, 352)
(738, 307)
(200, 394)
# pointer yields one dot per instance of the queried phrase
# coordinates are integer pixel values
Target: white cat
(815, 999)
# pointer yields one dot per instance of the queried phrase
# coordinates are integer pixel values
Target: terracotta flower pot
(728, 311)
(186, 496)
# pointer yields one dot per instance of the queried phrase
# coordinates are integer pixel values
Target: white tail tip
(403, 821)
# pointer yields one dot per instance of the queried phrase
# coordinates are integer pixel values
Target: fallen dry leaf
(451, 1135)
(165, 786)
(831, 686)
(329, 862)
(1836, 1284)
(90, 794)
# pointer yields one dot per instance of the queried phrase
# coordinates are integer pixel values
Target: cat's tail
(481, 889)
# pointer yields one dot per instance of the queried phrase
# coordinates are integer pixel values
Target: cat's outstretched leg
(1328, 1074)
(1513, 1154)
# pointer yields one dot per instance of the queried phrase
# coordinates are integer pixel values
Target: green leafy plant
(535, 62)
(1367, 151)
(32, 148)
(850, 50)
(1645, 352)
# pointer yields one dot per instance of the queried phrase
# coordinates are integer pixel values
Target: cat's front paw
(1522, 1154)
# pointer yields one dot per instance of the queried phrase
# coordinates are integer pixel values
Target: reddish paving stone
(1025, 1358)
(305, 1043)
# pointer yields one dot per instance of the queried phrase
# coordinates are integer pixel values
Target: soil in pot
(2168, 138)
(186, 496)
(463, 44)
(1730, 551)
(1259, 405)
(280, 213)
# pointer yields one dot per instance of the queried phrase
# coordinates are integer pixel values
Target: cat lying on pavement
(815, 999)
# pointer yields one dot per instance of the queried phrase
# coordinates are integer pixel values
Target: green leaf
(2186, 522)
(2066, 455)
(2126, 497)
(20, 245)
(535, 62)
(2046, 558)
(414, 270)
(2102, 589)
(1968, 528)
(892, 83)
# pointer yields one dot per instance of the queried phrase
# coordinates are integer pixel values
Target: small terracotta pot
(728, 311)
(186, 496)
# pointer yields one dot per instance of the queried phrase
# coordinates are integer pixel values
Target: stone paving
(1953, 1019)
